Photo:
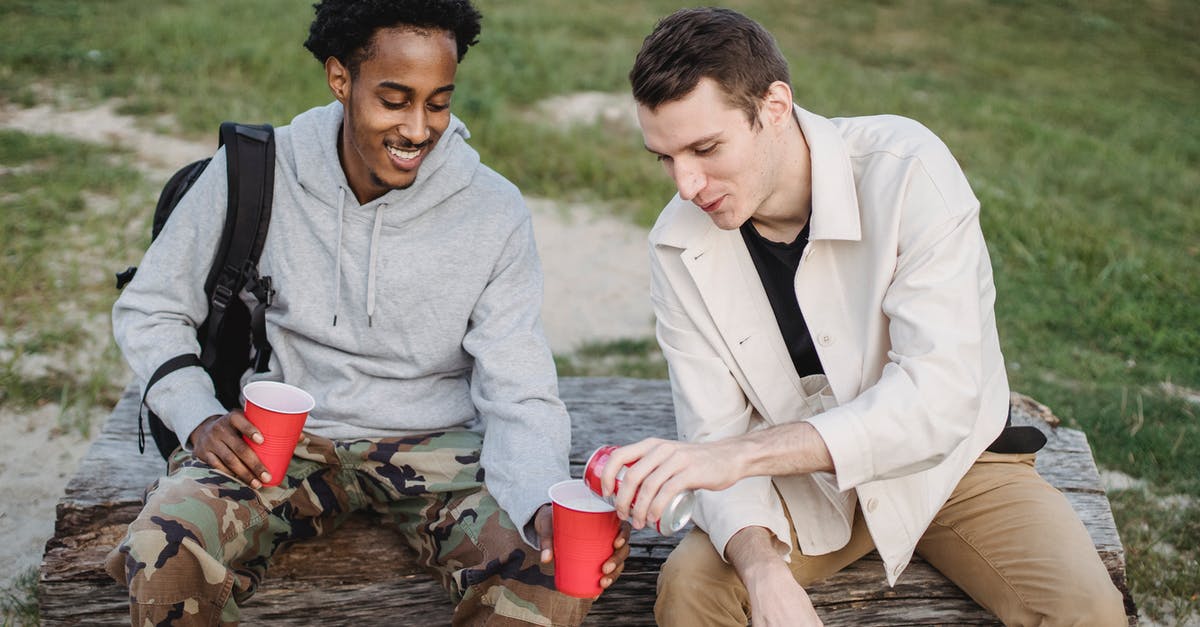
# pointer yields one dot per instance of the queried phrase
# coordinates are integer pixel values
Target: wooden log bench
(336, 579)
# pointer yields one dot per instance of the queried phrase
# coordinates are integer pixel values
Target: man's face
(396, 107)
(718, 162)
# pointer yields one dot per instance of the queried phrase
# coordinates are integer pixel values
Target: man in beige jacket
(824, 300)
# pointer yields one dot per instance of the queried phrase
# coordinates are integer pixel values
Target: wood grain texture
(331, 580)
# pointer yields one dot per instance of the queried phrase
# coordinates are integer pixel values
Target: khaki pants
(1006, 537)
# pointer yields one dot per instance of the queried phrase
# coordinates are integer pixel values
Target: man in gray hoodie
(407, 303)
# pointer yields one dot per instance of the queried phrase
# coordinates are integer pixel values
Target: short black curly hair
(343, 28)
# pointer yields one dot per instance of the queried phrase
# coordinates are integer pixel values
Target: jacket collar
(726, 279)
(835, 201)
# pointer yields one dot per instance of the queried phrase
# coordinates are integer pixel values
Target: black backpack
(230, 329)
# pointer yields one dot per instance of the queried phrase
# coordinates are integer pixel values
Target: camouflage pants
(203, 541)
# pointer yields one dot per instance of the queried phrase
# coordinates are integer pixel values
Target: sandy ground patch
(597, 275)
(36, 460)
(158, 154)
(589, 107)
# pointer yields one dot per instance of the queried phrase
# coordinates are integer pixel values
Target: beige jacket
(896, 288)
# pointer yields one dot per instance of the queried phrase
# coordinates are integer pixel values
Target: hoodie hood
(313, 141)
(313, 136)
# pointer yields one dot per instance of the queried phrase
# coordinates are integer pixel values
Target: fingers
(222, 447)
(543, 524)
(650, 490)
(641, 487)
(235, 465)
(618, 458)
(244, 426)
(667, 492)
(642, 456)
(615, 565)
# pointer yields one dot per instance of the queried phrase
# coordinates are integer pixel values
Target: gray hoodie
(416, 312)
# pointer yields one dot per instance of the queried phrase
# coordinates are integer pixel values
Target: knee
(154, 544)
(171, 580)
(695, 564)
(1099, 604)
(697, 587)
(1080, 603)
(187, 525)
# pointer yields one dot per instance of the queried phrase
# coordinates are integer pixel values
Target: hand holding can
(675, 516)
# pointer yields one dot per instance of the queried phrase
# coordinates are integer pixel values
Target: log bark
(336, 579)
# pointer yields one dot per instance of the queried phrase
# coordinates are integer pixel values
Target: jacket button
(825, 339)
(872, 504)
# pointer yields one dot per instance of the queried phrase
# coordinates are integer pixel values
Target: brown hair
(731, 49)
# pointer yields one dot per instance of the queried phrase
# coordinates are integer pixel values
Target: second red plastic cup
(279, 411)
(584, 530)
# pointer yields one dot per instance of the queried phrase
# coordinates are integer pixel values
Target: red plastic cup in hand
(279, 411)
(584, 530)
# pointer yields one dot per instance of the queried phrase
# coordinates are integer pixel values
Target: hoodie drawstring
(374, 255)
(337, 262)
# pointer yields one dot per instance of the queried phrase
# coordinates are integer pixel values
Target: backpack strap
(177, 362)
(250, 169)
(264, 295)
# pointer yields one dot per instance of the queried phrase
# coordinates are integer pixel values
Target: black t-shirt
(776, 264)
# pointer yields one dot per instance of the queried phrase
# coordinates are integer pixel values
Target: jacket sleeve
(710, 405)
(157, 314)
(527, 435)
(941, 363)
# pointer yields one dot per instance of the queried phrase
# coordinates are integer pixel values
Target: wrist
(200, 429)
(790, 449)
(753, 554)
(741, 454)
(762, 573)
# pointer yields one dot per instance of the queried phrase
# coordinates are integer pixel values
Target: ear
(777, 104)
(338, 78)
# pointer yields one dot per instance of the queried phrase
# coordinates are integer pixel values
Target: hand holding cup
(278, 411)
(585, 532)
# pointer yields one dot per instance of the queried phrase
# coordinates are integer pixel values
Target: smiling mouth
(712, 206)
(404, 154)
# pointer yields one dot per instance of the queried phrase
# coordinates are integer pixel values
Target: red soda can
(675, 517)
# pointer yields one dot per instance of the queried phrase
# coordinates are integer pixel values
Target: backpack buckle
(123, 278)
(260, 286)
(221, 297)
(267, 290)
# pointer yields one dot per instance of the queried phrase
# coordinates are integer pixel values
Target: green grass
(639, 358)
(18, 601)
(1161, 550)
(1075, 121)
(49, 297)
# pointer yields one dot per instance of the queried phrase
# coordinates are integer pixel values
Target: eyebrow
(707, 139)
(410, 91)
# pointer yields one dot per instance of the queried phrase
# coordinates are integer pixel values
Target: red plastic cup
(279, 411)
(584, 530)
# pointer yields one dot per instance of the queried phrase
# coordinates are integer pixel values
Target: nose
(689, 180)
(414, 126)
